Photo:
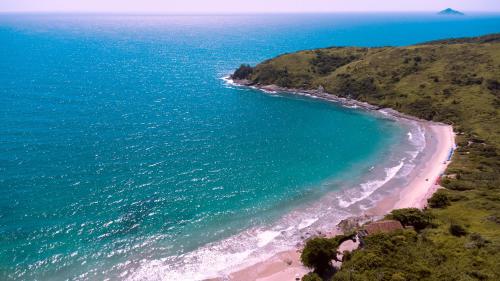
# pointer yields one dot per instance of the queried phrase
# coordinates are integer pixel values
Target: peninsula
(455, 235)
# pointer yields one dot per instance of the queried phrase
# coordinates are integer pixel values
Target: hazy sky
(243, 6)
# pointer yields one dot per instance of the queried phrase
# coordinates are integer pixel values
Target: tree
(317, 254)
(243, 72)
(439, 200)
(411, 217)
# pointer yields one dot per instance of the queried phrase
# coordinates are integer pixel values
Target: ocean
(125, 154)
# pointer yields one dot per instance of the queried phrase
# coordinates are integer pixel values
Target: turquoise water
(122, 147)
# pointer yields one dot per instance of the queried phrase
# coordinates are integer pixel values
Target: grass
(454, 81)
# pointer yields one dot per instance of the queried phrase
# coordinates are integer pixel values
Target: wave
(220, 258)
(223, 257)
(371, 186)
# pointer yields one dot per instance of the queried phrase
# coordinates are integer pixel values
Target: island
(456, 235)
(450, 12)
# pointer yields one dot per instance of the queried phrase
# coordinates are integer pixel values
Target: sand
(423, 182)
(421, 185)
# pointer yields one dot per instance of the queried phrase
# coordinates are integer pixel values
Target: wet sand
(421, 184)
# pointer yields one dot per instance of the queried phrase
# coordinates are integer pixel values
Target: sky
(244, 6)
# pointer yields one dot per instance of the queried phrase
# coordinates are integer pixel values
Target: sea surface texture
(125, 155)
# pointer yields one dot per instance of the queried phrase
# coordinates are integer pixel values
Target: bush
(317, 254)
(411, 217)
(423, 108)
(439, 200)
(325, 63)
(267, 74)
(476, 241)
(243, 72)
(353, 88)
(311, 277)
(457, 230)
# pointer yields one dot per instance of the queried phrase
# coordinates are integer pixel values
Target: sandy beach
(421, 184)
(422, 180)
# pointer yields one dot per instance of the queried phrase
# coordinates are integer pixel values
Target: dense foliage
(243, 72)
(320, 251)
(317, 254)
(411, 217)
(454, 81)
(439, 200)
(311, 277)
(325, 63)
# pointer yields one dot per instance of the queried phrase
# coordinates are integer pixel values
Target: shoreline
(422, 183)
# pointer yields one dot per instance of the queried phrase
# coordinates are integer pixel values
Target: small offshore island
(450, 12)
(450, 233)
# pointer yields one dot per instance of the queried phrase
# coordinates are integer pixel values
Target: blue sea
(125, 155)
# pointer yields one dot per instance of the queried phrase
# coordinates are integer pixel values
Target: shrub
(439, 200)
(457, 230)
(423, 108)
(267, 74)
(411, 217)
(243, 72)
(325, 63)
(311, 276)
(354, 88)
(346, 255)
(476, 241)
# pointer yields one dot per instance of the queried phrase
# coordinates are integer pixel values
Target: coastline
(421, 183)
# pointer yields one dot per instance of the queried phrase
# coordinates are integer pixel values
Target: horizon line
(233, 13)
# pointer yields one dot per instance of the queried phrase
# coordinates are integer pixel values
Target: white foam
(369, 187)
(266, 237)
(228, 80)
(406, 170)
(249, 247)
(198, 265)
(253, 245)
(307, 222)
(418, 135)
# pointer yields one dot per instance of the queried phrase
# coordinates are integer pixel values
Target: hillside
(455, 81)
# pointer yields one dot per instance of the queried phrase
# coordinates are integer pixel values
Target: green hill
(455, 81)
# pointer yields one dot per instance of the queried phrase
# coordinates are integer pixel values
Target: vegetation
(311, 277)
(455, 81)
(243, 71)
(457, 230)
(320, 251)
(411, 217)
(439, 200)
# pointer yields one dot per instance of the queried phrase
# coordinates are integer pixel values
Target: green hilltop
(455, 81)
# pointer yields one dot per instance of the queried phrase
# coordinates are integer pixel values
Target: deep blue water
(120, 142)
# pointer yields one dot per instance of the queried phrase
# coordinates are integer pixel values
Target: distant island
(450, 12)
(452, 81)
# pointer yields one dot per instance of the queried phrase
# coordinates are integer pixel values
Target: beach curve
(422, 182)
